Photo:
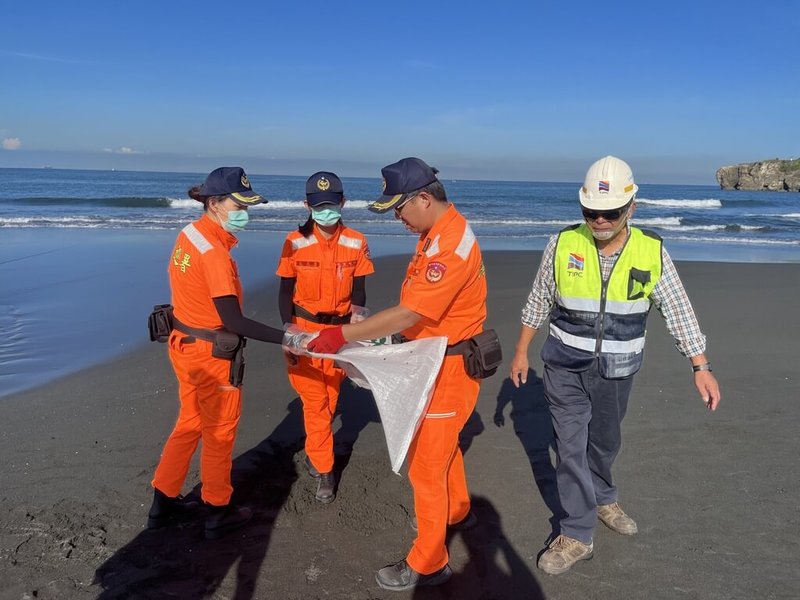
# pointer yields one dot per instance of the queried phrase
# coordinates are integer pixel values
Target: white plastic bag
(401, 377)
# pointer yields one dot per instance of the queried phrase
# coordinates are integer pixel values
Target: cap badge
(323, 184)
(383, 189)
(245, 181)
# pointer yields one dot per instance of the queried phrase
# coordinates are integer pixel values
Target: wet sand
(715, 494)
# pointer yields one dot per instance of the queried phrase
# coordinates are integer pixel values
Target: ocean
(83, 253)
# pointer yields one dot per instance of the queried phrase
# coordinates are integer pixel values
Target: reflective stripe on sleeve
(349, 242)
(303, 242)
(466, 243)
(198, 239)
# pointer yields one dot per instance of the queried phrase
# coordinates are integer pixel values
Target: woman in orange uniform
(206, 299)
(323, 268)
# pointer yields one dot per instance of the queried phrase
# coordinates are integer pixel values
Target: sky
(533, 90)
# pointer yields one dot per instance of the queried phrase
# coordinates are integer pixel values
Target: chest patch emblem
(575, 262)
(435, 272)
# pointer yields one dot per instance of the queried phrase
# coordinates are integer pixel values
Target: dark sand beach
(716, 495)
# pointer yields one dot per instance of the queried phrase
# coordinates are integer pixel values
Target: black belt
(321, 318)
(461, 347)
(203, 334)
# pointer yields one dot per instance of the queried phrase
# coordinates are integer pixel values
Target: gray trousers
(587, 413)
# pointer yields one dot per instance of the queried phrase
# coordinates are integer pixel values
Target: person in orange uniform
(323, 268)
(443, 294)
(206, 299)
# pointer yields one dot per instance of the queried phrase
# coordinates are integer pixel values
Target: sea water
(83, 253)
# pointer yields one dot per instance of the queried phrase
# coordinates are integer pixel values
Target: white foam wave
(733, 240)
(682, 203)
(657, 222)
(271, 204)
(790, 216)
(522, 222)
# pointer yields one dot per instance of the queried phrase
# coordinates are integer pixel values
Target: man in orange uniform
(323, 267)
(443, 294)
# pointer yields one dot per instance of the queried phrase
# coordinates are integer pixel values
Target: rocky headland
(771, 175)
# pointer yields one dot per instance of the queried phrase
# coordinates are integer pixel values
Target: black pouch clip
(484, 356)
(160, 322)
(236, 374)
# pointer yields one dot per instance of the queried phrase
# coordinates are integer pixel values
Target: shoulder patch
(435, 272)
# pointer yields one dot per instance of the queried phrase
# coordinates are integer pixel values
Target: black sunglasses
(608, 215)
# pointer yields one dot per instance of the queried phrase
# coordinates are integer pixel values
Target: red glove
(329, 341)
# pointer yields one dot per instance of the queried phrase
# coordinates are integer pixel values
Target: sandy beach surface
(715, 494)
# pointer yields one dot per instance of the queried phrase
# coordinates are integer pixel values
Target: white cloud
(12, 143)
(121, 150)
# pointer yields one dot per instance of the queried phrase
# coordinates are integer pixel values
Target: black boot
(326, 487)
(166, 510)
(224, 519)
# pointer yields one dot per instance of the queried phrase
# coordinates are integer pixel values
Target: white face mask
(329, 215)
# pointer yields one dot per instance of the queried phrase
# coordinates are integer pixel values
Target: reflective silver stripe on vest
(466, 243)
(303, 242)
(609, 346)
(198, 239)
(349, 242)
(612, 306)
(434, 248)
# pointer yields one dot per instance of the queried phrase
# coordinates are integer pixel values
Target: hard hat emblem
(603, 186)
(323, 184)
(245, 181)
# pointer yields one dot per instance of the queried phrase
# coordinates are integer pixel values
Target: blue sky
(532, 90)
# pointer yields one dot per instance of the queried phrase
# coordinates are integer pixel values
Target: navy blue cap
(405, 176)
(324, 187)
(233, 182)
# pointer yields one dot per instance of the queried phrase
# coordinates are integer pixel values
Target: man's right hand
(519, 368)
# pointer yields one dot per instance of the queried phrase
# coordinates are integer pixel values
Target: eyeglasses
(608, 215)
(399, 208)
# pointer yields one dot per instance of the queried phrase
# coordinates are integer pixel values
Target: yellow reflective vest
(601, 320)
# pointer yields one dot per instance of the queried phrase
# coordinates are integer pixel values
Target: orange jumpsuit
(200, 269)
(324, 270)
(446, 284)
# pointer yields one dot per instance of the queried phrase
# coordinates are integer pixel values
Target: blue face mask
(237, 220)
(326, 216)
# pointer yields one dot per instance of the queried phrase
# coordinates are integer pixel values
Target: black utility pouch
(226, 344)
(485, 355)
(159, 323)
(236, 374)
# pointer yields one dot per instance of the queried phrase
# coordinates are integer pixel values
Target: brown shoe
(563, 553)
(615, 519)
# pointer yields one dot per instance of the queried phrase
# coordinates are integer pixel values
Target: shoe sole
(325, 500)
(565, 569)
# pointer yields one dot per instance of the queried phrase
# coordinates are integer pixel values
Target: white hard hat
(608, 185)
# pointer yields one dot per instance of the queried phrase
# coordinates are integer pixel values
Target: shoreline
(714, 493)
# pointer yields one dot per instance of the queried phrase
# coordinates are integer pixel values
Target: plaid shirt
(668, 296)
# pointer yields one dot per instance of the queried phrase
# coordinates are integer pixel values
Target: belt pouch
(225, 344)
(159, 323)
(484, 355)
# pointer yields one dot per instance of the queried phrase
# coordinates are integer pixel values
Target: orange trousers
(436, 466)
(209, 411)
(317, 382)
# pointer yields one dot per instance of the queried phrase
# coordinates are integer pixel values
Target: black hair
(194, 194)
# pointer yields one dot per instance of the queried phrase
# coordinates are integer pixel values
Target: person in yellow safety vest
(596, 282)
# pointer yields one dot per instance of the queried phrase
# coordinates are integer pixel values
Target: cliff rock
(774, 175)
